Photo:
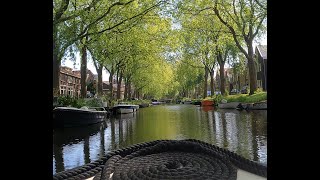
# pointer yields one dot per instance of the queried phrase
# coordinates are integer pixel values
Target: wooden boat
(125, 108)
(156, 103)
(253, 106)
(260, 106)
(207, 103)
(230, 105)
(70, 116)
(196, 102)
(187, 102)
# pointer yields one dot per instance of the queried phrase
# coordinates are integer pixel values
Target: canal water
(242, 132)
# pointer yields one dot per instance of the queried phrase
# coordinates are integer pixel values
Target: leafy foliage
(70, 101)
(160, 48)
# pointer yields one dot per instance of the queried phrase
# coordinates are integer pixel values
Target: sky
(105, 75)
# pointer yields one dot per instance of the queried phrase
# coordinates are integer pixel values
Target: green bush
(217, 98)
(95, 102)
(140, 101)
(226, 93)
(78, 103)
(259, 90)
(247, 98)
(70, 101)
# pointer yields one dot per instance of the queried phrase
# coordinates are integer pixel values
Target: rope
(166, 159)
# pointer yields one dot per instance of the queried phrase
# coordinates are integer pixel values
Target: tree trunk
(100, 83)
(56, 70)
(222, 79)
(83, 71)
(212, 82)
(205, 83)
(129, 89)
(56, 75)
(252, 70)
(119, 86)
(111, 84)
(125, 88)
(239, 82)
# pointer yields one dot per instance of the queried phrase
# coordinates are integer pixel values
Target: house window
(260, 67)
(62, 90)
(70, 91)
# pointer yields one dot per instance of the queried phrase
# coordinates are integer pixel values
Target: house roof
(68, 71)
(262, 49)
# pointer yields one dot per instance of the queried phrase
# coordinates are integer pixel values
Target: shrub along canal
(243, 132)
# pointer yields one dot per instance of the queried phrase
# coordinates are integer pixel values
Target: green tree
(245, 19)
(74, 21)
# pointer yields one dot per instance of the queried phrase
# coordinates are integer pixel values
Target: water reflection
(242, 132)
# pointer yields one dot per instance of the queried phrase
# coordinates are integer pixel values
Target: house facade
(106, 89)
(69, 82)
(261, 66)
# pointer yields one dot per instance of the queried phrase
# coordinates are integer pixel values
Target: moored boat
(260, 105)
(70, 116)
(263, 105)
(125, 108)
(207, 103)
(229, 105)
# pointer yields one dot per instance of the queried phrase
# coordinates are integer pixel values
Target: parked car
(89, 94)
(244, 90)
(234, 91)
(217, 92)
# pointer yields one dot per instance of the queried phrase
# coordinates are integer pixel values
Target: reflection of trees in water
(210, 127)
(219, 128)
(113, 134)
(246, 136)
(121, 131)
(102, 140)
(86, 150)
(120, 126)
(239, 131)
(231, 130)
(72, 137)
(254, 135)
(259, 132)
(58, 156)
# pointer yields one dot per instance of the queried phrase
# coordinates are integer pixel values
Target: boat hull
(125, 108)
(207, 103)
(259, 106)
(254, 106)
(230, 105)
(125, 111)
(72, 117)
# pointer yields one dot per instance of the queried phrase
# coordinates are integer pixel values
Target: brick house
(261, 66)
(91, 78)
(90, 75)
(69, 82)
(106, 89)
